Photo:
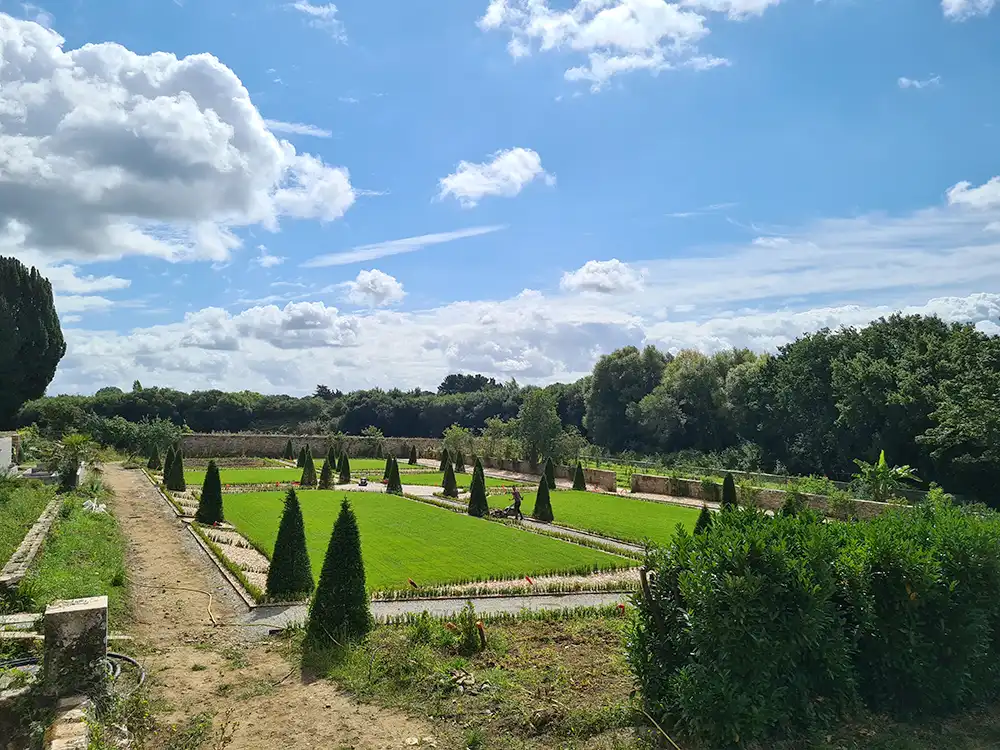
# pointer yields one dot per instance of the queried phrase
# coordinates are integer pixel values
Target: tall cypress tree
(543, 503)
(579, 480)
(168, 461)
(729, 491)
(154, 460)
(175, 481)
(31, 341)
(308, 470)
(345, 469)
(340, 609)
(290, 575)
(445, 459)
(289, 453)
(478, 504)
(395, 485)
(449, 484)
(704, 522)
(550, 473)
(210, 505)
(413, 455)
(301, 463)
(326, 475)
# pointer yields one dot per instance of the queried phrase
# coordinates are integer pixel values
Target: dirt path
(196, 666)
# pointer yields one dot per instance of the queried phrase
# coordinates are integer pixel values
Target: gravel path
(279, 617)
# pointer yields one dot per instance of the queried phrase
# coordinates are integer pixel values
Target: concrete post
(76, 645)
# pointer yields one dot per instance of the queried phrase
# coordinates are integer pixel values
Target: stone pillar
(76, 644)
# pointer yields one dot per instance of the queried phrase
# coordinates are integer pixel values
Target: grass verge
(21, 503)
(402, 539)
(624, 518)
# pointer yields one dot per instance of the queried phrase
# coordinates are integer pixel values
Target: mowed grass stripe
(616, 516)
(404, 539)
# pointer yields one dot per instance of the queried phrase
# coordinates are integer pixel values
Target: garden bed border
(16, 568)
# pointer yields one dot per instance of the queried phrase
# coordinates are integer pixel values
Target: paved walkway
(280, 617)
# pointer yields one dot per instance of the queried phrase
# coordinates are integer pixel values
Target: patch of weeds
(256, 688)
(200, 732)
(235, 656)
(122, 719)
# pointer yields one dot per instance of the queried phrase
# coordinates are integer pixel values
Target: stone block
(76, 644)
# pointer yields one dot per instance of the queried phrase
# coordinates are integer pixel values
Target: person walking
(517, 505)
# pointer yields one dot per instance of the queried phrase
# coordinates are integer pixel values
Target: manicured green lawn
(21, 503)
(616, 516)
(371, 466)
(403, 539)
(435, 478)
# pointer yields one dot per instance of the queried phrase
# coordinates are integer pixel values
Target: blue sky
(754, 169)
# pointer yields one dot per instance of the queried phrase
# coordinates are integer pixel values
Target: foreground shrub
(154, 460)
(776, 626)
(210, 504)
(413, 455)
(290, 575)
(579, 480)
(339, 609)
(543, 504)
(448, 484)
(740, 638)
(549, 472)
(478, 504)
(395, 486)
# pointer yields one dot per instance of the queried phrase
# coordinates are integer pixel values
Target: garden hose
(112, 662)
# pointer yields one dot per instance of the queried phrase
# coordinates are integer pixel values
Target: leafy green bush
(814, 485)
(772, 626)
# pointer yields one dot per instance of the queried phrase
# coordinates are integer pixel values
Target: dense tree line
(924, 391)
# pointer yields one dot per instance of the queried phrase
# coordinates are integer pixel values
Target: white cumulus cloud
(986, 195)
(917, 83)
(617, 36)
(106, 153)
(960, 10)
(505, 176)
(374, 289)
(602, 277)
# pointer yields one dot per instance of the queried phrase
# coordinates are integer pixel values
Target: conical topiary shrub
(175, 481)
(290, 575)
(459, 462)
(728, 491)
(395, 486)
(387, 470)
(345, 469)
(445, 459)
(579, 480)
(478, 504)
(289, 453)
(448, 484)
(153, 464)
(413, 455)
(543, 503)
(301, 463)
(704, 522)
(339, 610)
(326, 475)
(308, 470)
(168, 461)
(333, 458)
(210, 505)
(550, 473)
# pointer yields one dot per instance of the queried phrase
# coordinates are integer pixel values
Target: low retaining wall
(768, 499)
(17, 567)
(222, 444)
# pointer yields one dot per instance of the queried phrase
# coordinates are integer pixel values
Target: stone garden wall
(222, 444)
(605, 480)
(769, 499)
